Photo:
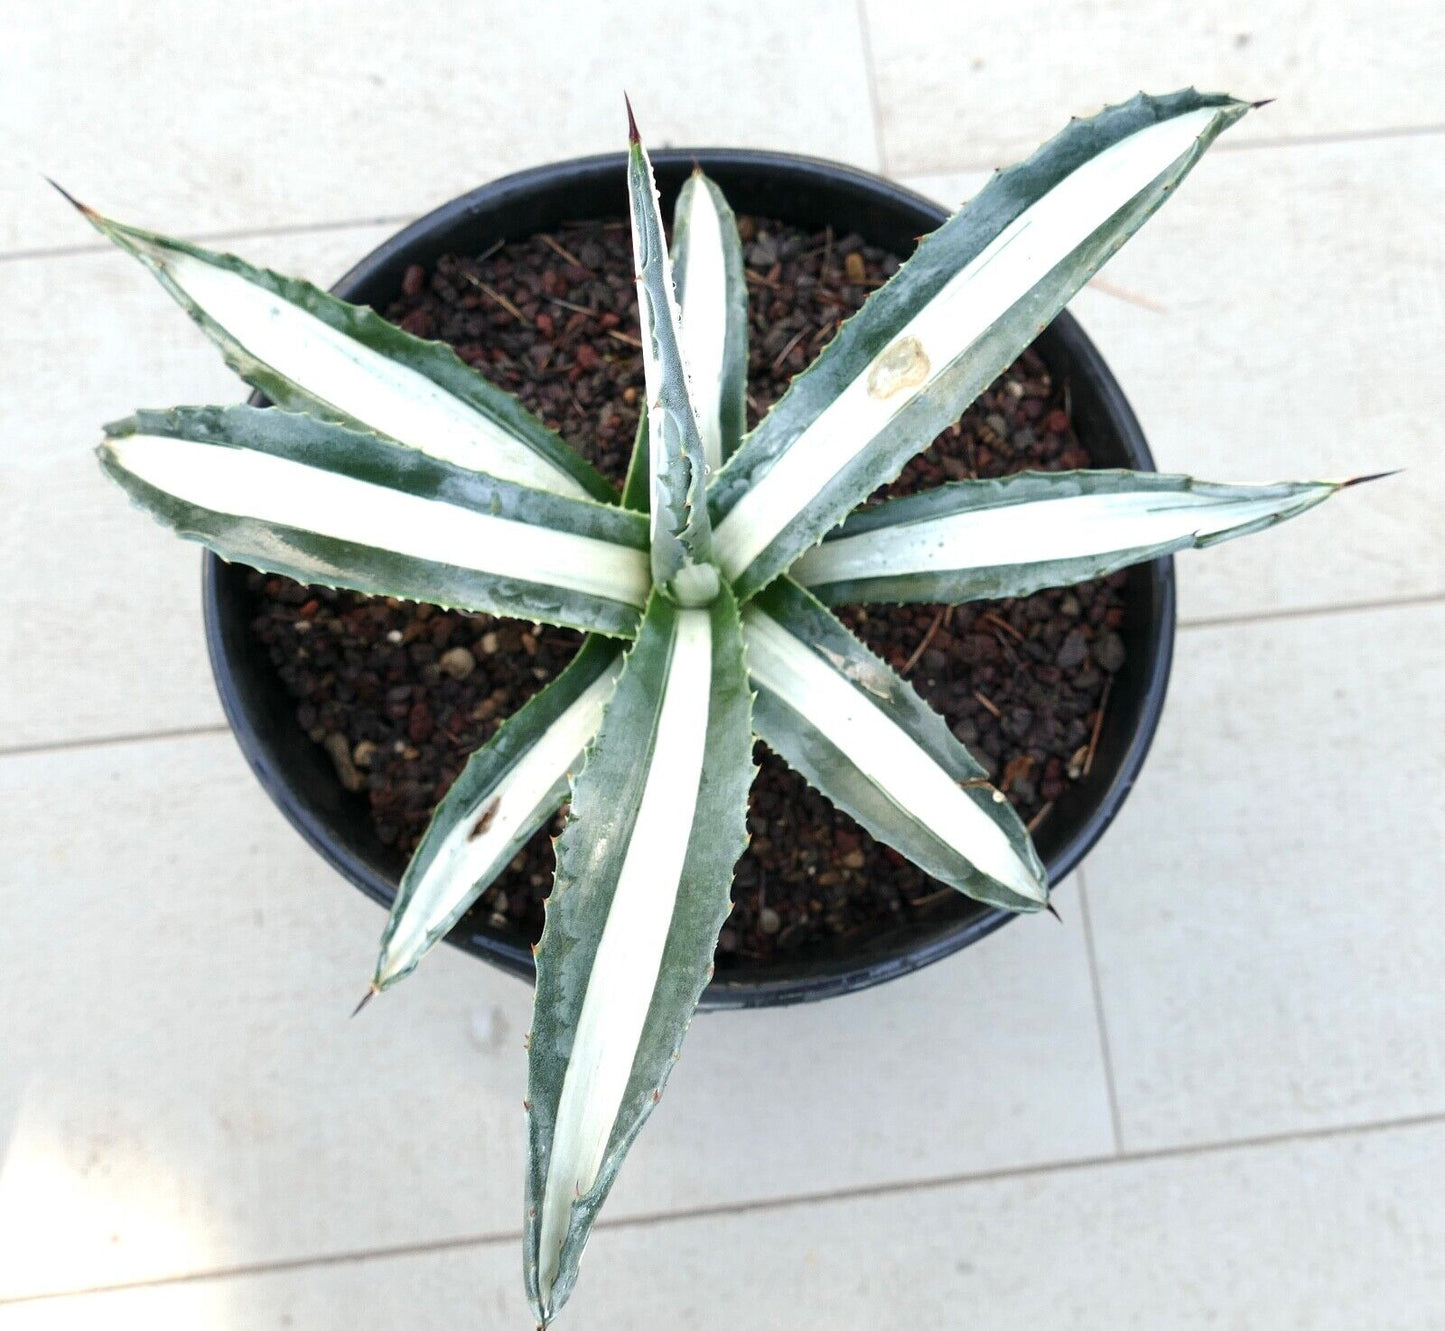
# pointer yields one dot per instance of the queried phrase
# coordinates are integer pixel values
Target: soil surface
(399, 694)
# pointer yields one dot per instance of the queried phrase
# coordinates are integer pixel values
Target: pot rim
(266, 750)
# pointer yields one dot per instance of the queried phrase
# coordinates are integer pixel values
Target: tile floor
(1215, 1098)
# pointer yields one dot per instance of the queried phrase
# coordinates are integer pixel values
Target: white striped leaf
(644, 867)
(717, 362)
(981, 540)
(315, 501)
(973, 296)
(509, 788)
(707, 260)
(308, 350)
(681, 533)
(863, 738)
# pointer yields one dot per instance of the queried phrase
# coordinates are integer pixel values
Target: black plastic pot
(810, 193)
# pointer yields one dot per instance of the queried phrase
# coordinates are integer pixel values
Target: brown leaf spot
(485, 821)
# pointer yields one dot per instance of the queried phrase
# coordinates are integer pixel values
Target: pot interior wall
(810, 194)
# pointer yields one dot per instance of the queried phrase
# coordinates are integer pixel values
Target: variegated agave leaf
(680, 530)
(982, 540)
(315, 501)
(509, 788)
(707, 261)
(643, 871)
(864, 739)
(973, 296)
(307, 350)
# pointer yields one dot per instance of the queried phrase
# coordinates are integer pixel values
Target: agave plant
(388, 466)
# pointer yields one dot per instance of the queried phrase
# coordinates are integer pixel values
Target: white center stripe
(629, 955)
(1017, 259)
(881, 750)
(704, 317)
(515, 800)
(1032, 533)
(383, 395)
(279, 491)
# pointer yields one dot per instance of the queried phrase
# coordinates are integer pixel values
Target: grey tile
(956, 92)
(1264, 908)
(181, 1088)
(185, 116)
(1324, 1235)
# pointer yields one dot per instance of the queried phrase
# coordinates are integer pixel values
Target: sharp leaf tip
(1049, 906)
(1372, 476)
(69, 197)
(1255, 106)
(632, 135)
(371, 992)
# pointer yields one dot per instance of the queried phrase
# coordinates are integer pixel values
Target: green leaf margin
(805, 747)
(590, 852)
(887, 312)
(325, 561)
(954, 586)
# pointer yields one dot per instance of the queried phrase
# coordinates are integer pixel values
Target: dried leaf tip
(1373, 476)
(632, 135)
(1049, 906)
(65, 194)
(372, 990)
(1254, 106)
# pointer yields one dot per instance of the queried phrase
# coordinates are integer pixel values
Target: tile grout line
(106, 741)
(1324, 139)
(1313, 611)
(1116, 1123)
(222, 236)
(871, 71)
(1327, 137)
(864, 1192)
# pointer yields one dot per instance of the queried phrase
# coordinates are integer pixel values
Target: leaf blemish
(872, 678)
(485, 821)
(902, 366)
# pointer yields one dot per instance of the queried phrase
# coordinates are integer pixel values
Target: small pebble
(457, 662)
(338, 749)
(1109, 651)
(1073, 651)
